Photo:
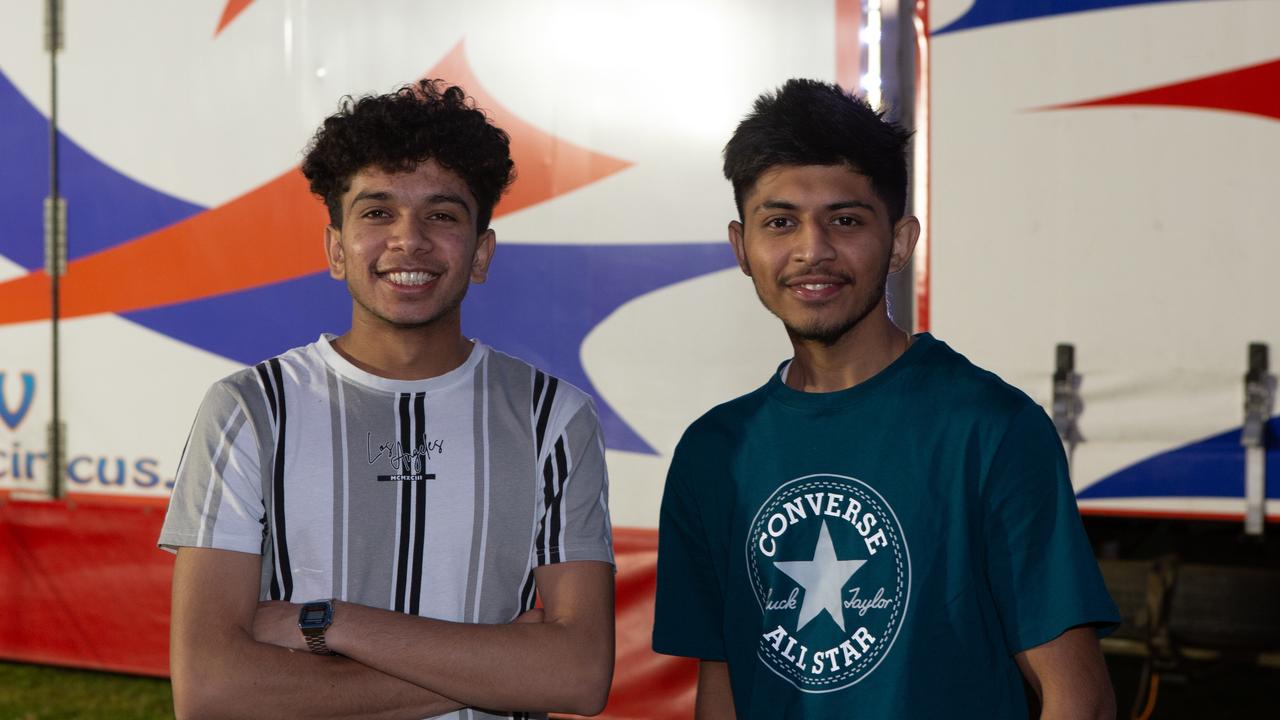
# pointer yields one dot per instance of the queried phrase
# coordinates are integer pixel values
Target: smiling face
(408, 247)
(818, 244)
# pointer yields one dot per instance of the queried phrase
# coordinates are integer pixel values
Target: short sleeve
(689, 604)
(217, 494)
(575, 494)
(1042, 572)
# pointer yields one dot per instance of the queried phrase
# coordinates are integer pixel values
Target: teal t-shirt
(878, 552)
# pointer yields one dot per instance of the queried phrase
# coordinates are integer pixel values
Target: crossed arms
(232, 657)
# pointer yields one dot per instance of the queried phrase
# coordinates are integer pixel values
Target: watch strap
(315, 641)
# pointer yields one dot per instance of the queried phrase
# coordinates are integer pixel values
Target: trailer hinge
(55, 236)
(1259, 397)
(1068, 406)
(53, 36)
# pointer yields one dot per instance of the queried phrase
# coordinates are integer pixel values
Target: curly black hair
(397, 131)
(808, 122)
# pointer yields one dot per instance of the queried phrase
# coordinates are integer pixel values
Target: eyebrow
(842, 205)
(384, 196)
(449, 198)
(379, 195)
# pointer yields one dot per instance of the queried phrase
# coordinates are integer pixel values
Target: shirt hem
(1103, 623)
(171, 543)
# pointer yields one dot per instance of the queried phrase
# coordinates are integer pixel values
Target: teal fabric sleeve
(1041, 568)
(689, 603)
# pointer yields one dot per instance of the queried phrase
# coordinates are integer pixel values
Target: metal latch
(55, 237)
(53, 14)
(1068, 406)
(1259, 397)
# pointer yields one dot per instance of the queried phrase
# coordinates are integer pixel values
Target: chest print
(830, 569)
(403, 463)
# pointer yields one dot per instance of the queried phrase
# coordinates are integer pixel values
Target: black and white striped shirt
(434, 497)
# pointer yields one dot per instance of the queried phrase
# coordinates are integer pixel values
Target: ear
(905, 235)
(737, 240)
(485, 243)
(333, 252)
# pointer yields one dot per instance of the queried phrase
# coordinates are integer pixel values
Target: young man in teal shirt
(883, 530)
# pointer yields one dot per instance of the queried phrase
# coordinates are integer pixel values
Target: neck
(866, 349)
(398, 353)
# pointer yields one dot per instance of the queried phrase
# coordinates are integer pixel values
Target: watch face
(315, 615)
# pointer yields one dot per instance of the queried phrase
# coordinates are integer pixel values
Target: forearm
(1078, 708)
(547, 666)
(237, 677)
(1069, 676)
(1089, 701)
(715, 694)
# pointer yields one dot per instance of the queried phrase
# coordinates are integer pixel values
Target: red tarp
(82, 584)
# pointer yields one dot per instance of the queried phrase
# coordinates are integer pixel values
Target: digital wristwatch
(314, 618)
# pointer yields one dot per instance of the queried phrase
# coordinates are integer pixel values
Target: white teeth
(411, 278)
(815, 286)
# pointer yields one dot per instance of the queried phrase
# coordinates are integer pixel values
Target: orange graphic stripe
(546, 166)
(271, 234)
(229, 13)
(274, 233)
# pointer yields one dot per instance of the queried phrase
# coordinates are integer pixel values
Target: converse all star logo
(830, 568)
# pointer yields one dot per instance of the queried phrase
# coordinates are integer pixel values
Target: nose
(812, 244)
(410, 234)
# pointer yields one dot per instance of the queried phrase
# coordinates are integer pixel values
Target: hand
(276, 623)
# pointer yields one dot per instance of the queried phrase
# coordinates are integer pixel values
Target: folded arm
(220, 671)
(562, 664)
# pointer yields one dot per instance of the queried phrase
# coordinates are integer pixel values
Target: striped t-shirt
(433, 497)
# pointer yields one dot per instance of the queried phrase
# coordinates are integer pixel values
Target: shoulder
(553, 401)
(511, 370)
(1014, 431)
(249, 387)
(296, 366)
(723, 425)
(959, 385)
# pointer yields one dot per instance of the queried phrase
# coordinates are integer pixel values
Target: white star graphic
(822, 578)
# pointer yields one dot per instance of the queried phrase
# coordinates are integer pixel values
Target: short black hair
(809, 122)
(397, 131)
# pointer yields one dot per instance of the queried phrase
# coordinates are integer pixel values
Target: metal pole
(897, 62)
(55, 255)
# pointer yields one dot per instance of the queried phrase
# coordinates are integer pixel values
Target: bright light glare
(871, 34)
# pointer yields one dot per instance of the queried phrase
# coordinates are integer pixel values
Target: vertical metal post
(898, 75)
(55, 257)
(1259, 393)
(1067, 403)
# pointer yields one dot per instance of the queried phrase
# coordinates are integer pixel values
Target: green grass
(36, 692)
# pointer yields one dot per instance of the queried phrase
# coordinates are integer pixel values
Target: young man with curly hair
(883, 530)
(362, 524)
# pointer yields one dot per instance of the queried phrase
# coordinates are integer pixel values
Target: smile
(409, 278)
(816, 289)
